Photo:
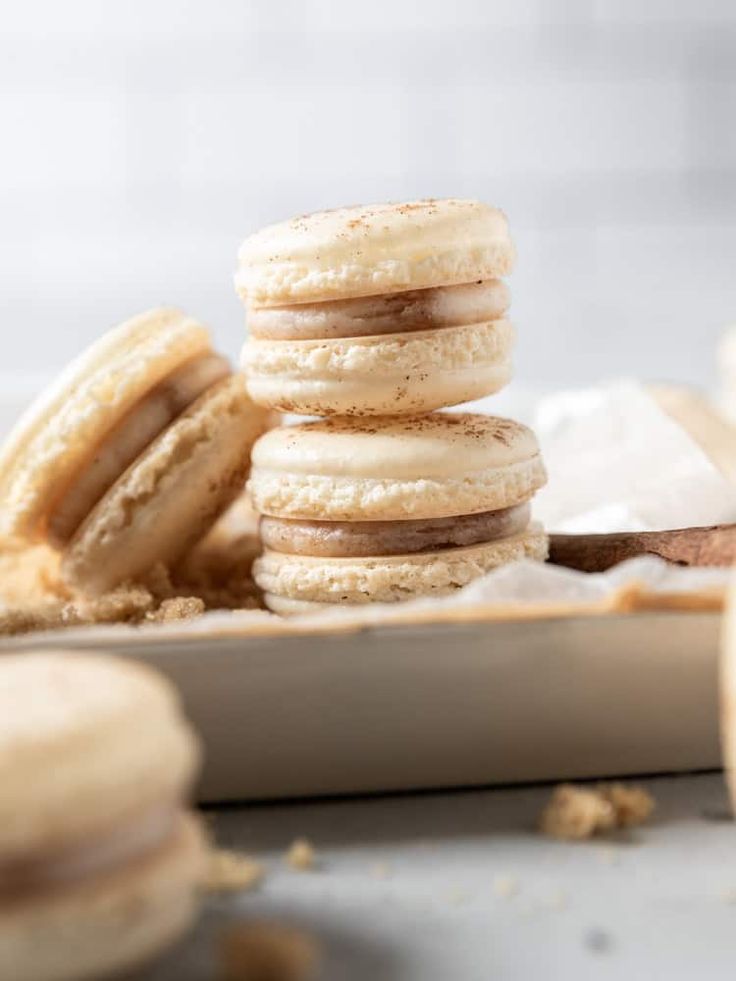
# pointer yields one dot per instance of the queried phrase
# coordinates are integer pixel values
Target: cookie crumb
(574, 813)
(177, 609)
(505, 886)
(229, 871)
(301, 856)
(268, 952)
(632, 805)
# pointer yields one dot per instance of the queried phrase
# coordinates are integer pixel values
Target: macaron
(100, 861)
(388, 309)
(382, 510)
(132, 454)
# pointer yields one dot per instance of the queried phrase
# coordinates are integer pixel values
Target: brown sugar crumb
(129, 603)
(216, 575)
(268, 952)
(574, 813)
(229, 871)
(46, 616)
(632, 805)
(176, 609)
(301, 856)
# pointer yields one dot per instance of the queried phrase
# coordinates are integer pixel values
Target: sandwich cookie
(129, 458)
(387, 309)
(381, 510)
(100, 862)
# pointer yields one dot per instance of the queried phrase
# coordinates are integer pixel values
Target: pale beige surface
(55, 436)
(171, 495)
(109, 923)
(381, 375)
(77, 734)
(373, 249)
(387, 313)
(443, 464)
(386, 579)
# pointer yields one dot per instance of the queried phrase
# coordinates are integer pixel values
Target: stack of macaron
(374, 317)
(128, 459)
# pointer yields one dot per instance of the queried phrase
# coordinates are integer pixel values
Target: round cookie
(388, 374)
(390, 578)
(373, 249)
(100, 860)
(90, 466)
(380, 510)
(443, 464)
(385, 309)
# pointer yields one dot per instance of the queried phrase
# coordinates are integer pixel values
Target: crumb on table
(632, 805)
(574, 813)
(505, 886)
(268, 952)
(301, 856)
(229, 871)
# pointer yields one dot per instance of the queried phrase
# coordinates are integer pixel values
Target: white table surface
(407, 889)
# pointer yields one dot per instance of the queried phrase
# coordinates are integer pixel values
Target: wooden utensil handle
(711, 546)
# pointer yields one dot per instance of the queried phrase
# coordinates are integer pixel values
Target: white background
(141, 141)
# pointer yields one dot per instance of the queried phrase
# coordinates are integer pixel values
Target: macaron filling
(386, 313)
(104, 853)
(363, 539)
(123, 444)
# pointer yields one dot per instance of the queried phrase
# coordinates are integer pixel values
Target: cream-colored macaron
(376, 310)
(131, 455)
(100, 863)
(379, 510)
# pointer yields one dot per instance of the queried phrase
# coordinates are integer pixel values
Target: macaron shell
(76, 739)
(54, 436)
(374, 249)
(383, 375)
(390, 469)
(107, 924)
(390, 579)
(171, 495)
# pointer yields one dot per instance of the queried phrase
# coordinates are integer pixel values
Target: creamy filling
(129, 438)
(114, 849)
(389, 313)
(363, 539)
